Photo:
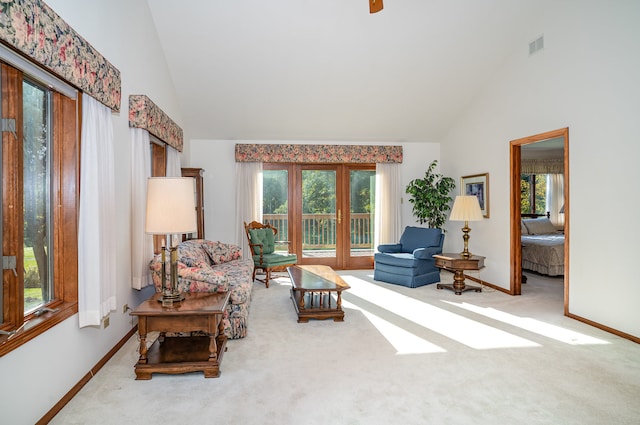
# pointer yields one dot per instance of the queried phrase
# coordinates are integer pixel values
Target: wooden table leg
(213, 333)
(142, 331)
(458, 286)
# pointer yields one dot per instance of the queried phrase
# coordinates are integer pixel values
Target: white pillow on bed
(523, 228)
(539, 226)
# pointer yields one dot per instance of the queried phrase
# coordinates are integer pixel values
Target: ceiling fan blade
(375, 6)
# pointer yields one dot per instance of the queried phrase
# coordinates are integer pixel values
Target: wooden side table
(458, 264)
(199, 311)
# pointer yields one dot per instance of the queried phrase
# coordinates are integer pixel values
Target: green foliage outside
(540, 203)
(318, 192)
(319, 198)
(32, 288)
(32, 298)
(36, 170)
(274, 192)
(362, 183)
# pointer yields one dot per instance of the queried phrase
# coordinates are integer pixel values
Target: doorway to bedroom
(539, 180)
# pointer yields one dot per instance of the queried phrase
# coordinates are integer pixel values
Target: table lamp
(171, 210)
(466, 208)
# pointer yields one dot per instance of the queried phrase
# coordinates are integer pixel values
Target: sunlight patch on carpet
(458, 328)
(403, 341)
(533, 325)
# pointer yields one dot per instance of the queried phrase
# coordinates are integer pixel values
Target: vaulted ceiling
(329, 70)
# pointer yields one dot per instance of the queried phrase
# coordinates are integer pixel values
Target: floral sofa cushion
(219, 252)
(191, 253)
(208, 266)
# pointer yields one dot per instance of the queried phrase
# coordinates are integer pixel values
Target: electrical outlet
(125, 308)
(106, 322)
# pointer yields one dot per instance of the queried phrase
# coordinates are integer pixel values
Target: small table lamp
(171, 210)
(466, 208)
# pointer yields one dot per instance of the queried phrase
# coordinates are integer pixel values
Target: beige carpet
(402, 356)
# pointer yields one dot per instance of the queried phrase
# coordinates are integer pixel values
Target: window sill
(36, 326)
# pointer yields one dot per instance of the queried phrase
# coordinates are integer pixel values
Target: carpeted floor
(402, 356)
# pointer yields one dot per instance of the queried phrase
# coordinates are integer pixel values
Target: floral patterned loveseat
(207, 266)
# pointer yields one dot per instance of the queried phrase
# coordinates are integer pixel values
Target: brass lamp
(171, 210)
(466, 208)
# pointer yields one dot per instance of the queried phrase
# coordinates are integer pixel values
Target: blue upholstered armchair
(410, 262)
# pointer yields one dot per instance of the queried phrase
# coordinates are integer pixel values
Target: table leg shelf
(182, 354)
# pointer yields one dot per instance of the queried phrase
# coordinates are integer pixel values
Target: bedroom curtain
(555, 198)
(141, 242)
(542, 166)
(97, 226)
(173, 162)
(387, 213)
(248, 199)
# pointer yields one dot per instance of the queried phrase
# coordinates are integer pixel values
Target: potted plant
(430, 197)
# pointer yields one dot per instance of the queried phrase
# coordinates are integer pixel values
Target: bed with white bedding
(542, 247)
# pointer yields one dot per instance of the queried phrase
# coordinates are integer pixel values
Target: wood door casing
(515, 214)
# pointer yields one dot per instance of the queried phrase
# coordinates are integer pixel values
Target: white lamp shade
(466, 208)
(171, 205)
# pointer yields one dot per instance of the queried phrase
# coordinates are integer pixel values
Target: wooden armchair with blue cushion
(410, 262)
(262, 245)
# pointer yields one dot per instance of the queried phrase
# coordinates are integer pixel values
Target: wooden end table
(458, 264)
(311, 288)
(200, 311)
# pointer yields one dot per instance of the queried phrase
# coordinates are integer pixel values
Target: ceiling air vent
(536, 45)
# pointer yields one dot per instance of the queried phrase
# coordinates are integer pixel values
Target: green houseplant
(430, 197)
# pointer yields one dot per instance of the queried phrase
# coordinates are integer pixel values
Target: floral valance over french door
(335, 154)
(143, 113)
(33, 28)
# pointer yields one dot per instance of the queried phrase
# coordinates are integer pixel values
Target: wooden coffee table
(311, 288)
(200, 311)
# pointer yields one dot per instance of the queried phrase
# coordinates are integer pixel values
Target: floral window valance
(364, 154)
(143, 113)
(542, 166)
(34, 29)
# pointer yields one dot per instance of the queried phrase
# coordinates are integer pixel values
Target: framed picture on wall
(477, 185)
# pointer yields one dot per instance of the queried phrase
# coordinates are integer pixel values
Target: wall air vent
(536, 45)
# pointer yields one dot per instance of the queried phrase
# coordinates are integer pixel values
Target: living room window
(39, 207)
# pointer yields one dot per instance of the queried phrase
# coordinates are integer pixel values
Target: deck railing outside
(319, 230)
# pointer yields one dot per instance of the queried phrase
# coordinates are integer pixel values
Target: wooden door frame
(516, 246)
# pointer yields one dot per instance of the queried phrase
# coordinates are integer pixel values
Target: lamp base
(170, 297)
(465, 237)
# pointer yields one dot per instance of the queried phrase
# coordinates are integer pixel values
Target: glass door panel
(320, 216)
(275, 205)
(361, 217)
(37, 261)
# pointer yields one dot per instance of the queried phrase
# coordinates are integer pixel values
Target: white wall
(38, 374)
(584, 79)
(218, 159)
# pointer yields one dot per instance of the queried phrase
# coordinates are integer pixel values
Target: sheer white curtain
(555, 198)
(141, 242)
(388, 226)
(248, 199)
(97, 225)
(173, 162)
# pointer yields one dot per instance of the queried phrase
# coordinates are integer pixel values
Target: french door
(325, 211)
